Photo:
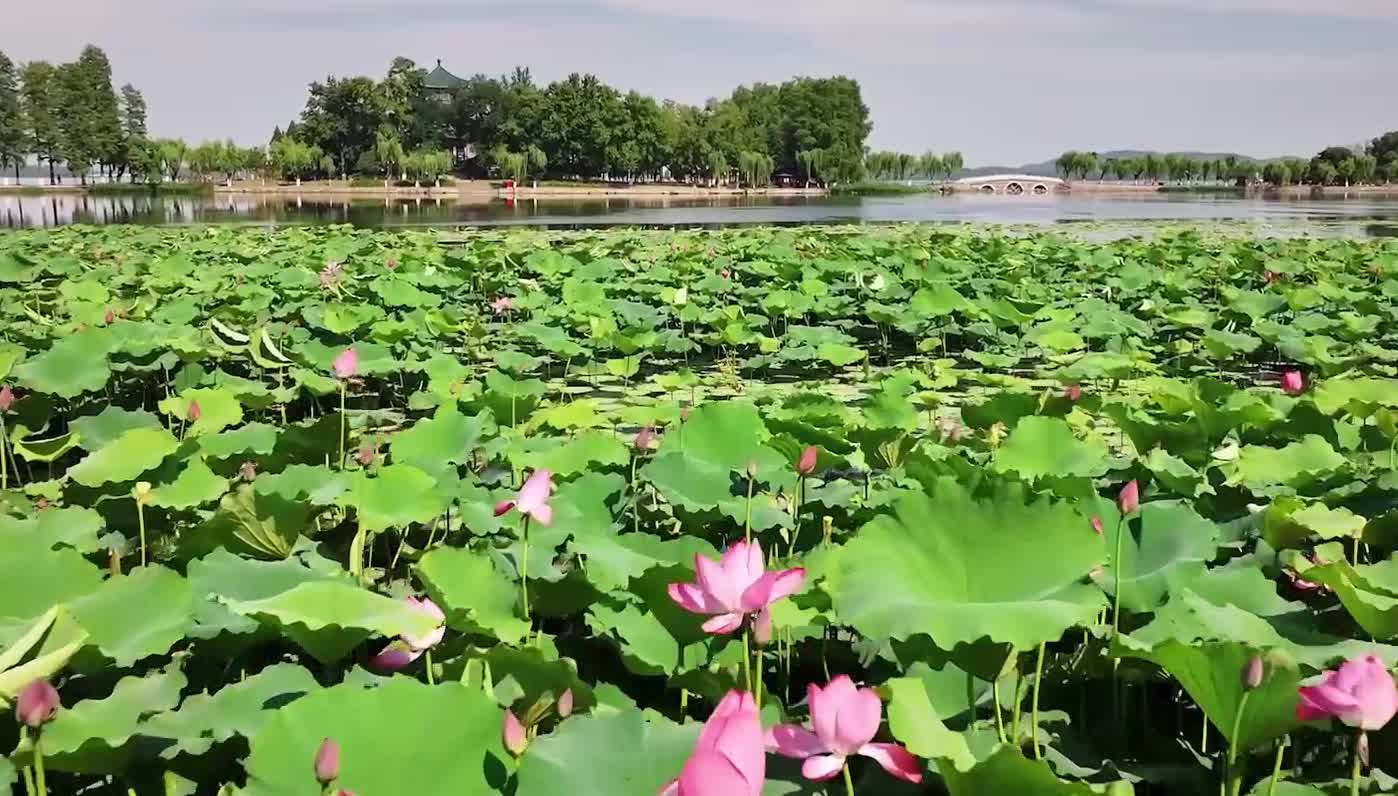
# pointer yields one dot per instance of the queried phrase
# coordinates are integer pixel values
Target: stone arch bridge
(1010, 185)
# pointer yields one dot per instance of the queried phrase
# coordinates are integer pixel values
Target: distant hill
(1048, 169)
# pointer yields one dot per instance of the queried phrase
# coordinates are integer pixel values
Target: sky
(1003, 81)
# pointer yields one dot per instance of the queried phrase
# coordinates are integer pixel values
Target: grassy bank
(880, 189)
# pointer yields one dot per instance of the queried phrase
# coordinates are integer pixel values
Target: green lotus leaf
(218, 409)
(131, 617)
(194, 486)
(47, 450)
(69, 526)
(129, 456)
(1164, 549)
(239, 709)
(99, 735)
(262, 524)
(475, 594)
(1368, 591)
(1212, 673)
(445, 742)
(330, 618)
(1007, 771)
(1041, 447)
(253, 438)
(448, 436)
(396, 497)
(913, 718)
(622, 754)
(73, 366)
(315, 483)
(1296, 466)
(1359, 396)
(584, 451)
(53, 638)
(959, 570)
(34, 578)
(100, 430)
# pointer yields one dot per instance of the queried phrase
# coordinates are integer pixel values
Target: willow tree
(952, 163)
(811, 162)
(388, 152)
(717, 164)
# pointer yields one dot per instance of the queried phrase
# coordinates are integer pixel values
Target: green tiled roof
(441, 80)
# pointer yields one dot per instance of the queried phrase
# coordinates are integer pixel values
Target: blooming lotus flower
(845, 719)
(807, 463)
(327, 765)
(409, 648)
(346, 364)
(1361, 694)
(502, 305)
(728, 759)
(7, 398)
(515, 737)
(1129, 499)
(533, 498)
(735, 586)
(1293, 383)
(36, 704)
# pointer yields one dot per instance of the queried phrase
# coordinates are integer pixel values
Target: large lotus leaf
(73, 366)
(1042, 447)
(223, 574)
(1212, 673)
(960, 569)
(218, 409)
(126, 458)
(587, 450)
(38, 650)
(1295, 466)
(97, 736)
(1368, 592)
(726, 435)
(398, 496)
(34, 578)
(258, 438)
(401, 738)
(237, 709)
(316, 483)
(263, 525)
(621, 754)
(448, 436)
(913, 718)
(1165, 547)
(614, 559)
(134, 616)
(474, 593)
(1359, 396)
(330, 618)
(1009, 772)
(70, 526)
(194, 486)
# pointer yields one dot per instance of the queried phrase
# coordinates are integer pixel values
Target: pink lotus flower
(1293, 383)
(728, 759)
(734, 587)
(565, 703)
(807, 463)
(502, 305)
(644, 437)
(36, 704)
(327, 764)
(1129, 499)
(1253, 672)
(1361, 694)
(365, 456)
(533, 498)
(514, 735)
(7, 398)
(193, 412)
(408, 648)
(1072, 392)
(346, 364)
(845, 719)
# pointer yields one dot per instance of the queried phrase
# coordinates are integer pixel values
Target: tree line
(1377, 162)
(906, 166)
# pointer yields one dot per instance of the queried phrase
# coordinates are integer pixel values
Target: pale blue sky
(1004, 81)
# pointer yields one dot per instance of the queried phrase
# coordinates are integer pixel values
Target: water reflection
(1360, 217)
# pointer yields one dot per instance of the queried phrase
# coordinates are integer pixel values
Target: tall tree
(12, 135)
(133, 112)
(342, 118)
(40, 96)
(77, 139)
(97, 101)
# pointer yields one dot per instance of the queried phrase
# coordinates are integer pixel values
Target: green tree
(205, 160)
(388, 153)
(294, 159)
(172, 156)
(582, 115)
(133, 112)
(12, 132)
(145, 161)
(78, 144)
(342, 119)
(952, 162)
(40, 96)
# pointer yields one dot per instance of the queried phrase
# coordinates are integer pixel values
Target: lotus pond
(880, 511)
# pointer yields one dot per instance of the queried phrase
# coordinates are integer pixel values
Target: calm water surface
(1356, 217)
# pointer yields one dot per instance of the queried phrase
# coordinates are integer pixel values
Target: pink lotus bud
(108, 317)
(565, 703)
(1293, 383)
(346, 364)
(327, 762)
(807, 463)
(391, 263)
(644, 437)
(7, 398)
(1252, 674)
(248, 471)
(1129, 500)
(503, 507)
(365, 457)
(1097, 525)
(193, 412)
(516, 739)
(36, 704)
(762, 628)
(1072, 392)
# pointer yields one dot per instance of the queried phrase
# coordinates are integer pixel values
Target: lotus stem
(635, 498)
(995, 706)
(343, 425)
(1018, 700)
(1353, 770)
(1116, 578)
(141, 524)
(1034, 727)
(524, 568)
(684, 701)
(1204, 736)
(747, 662)
(427, 659)
(29, 780)
(747, 521)
(4, 465)
(849, 783)
(42, 787)
(757, 677)
(1235, 773)
(1276, 764)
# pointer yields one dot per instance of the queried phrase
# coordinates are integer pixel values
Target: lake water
(1355, 217)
